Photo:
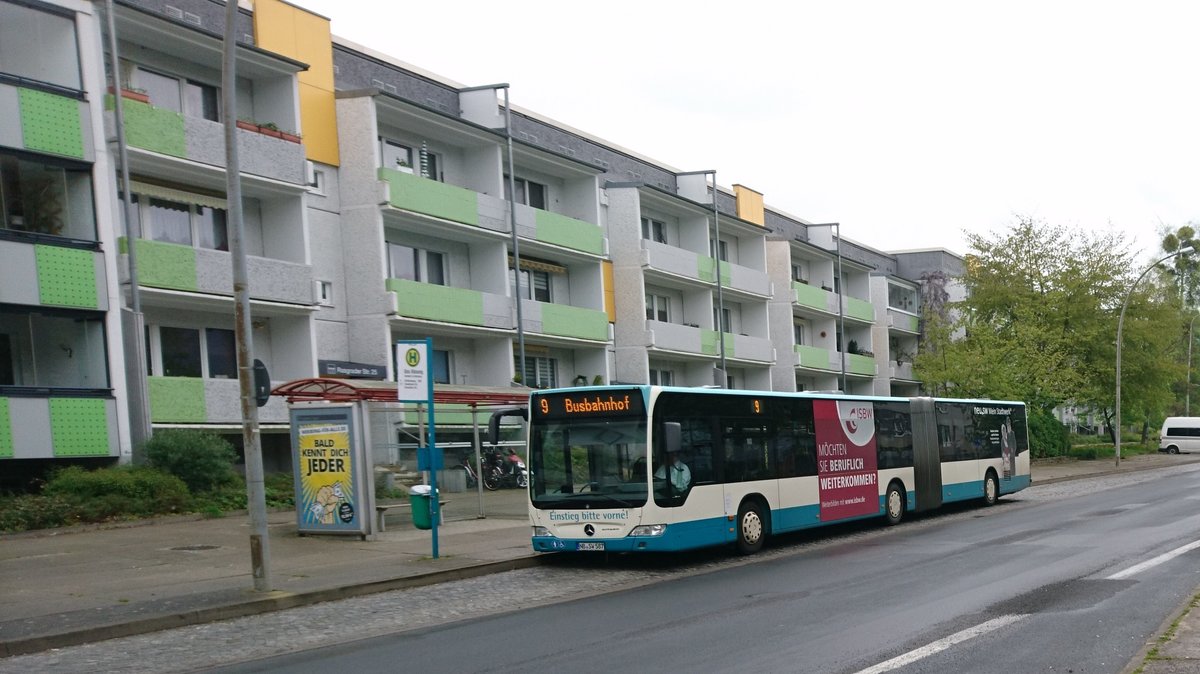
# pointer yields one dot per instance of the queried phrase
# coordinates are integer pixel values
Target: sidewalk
(84, 584)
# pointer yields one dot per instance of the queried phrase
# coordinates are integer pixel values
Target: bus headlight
(648, 530)
(541, 531)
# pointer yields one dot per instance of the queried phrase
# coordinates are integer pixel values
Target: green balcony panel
(155, 129)
(811, 296)
(50, 123)
(165, 265)
(66, 277)
(813, 357)
(413, 193)
(704, 270)
(6, 439)
(177, 400)
(860, 309)
(568, 232)
(906, 322)
(708, 342)
(446, 414)
(567, 321)
(437, 303)
(79, 427)
(860, 364)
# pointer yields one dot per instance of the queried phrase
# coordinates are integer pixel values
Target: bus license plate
(590, 546)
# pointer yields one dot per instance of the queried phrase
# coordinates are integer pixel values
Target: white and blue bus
(649, 468)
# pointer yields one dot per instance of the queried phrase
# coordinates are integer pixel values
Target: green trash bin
(419, 498)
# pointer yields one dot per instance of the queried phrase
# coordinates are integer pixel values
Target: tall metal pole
(260, 557)
(1120, 328)
(512, 227)
(1187, 395)
(136, 380)
(720, 296)
(841, 288)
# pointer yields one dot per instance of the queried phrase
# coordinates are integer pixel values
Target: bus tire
(894, 504)
(751, 528)
(991, 489)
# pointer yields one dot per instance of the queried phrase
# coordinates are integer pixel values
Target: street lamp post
(1120, 327)
(1187, 393)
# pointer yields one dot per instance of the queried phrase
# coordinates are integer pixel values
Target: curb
(274, 601)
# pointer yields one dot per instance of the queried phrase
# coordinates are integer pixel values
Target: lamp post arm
(1120, 330)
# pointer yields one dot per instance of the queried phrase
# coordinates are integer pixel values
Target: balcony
(49, 123)
(904, 322)
(65, 277)
(558, 230)
(750, 348)
(861, 365)
(815, 298)
(673, 261)
(200, 140)
(430, 197)
(904, 371)
(43, 426)
(679, 338)
(816, 358)
(429, 302)
(201, 270)
(735, 277)
(859, 310)
(564, 321)
(191, 400)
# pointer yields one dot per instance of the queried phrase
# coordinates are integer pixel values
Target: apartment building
(376, 202)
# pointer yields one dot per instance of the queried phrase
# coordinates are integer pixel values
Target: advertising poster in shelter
(846, 458)
(329, 496)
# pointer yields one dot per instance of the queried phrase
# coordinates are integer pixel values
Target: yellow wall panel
(320, 124)
(750, 205)
(610, 304)
(299, 34)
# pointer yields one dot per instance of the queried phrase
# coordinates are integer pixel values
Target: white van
(1180, 434)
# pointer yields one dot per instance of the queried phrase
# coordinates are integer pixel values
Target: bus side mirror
(672, 432)
(494, 422)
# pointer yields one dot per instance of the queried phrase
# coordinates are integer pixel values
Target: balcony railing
(42, 427)
(201, 270)
(565, 321)
(192, 400)
(430, 197)
(66, 277)
(464, 306)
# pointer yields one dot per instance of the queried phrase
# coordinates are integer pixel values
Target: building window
(535, 285)
(317, 186)
(528, 193)
(52, 349)
(654, 230)
(726, 320)
(798, 333)
(416, 264)
(38, 46)
(189, 97)
(439, 366)
(658, 308)
(182, 223)
(177, 352)
(798, 273)
(540, 372)
(662, 378)
(429, 165)
(43, 198)
(719, 250)
(397, 156)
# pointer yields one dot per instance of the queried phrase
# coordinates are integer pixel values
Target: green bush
(108, 493)
(29, 511)
(203, 460)
(1084, 453)
(1047, 436)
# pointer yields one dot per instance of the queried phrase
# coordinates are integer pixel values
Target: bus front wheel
(991, 489)
(895, 504)
(751, 528)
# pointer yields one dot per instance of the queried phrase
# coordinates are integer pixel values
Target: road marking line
(942, 644)
(1166, 556)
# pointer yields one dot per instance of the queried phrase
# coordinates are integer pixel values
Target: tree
(1039, 324)
(1185, 269)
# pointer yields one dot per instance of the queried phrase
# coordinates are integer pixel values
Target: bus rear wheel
(991, 489)
(751, 528)
(895, 503)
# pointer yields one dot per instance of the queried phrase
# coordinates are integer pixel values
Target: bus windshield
(592, 463)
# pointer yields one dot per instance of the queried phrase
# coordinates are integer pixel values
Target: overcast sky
(907, 122)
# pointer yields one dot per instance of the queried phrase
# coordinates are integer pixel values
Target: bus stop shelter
(396, 430)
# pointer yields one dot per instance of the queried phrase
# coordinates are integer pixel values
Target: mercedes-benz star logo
(589, 530)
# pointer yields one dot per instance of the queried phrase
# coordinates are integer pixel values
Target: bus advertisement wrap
(846, 459)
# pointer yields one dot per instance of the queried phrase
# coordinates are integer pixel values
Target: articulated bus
(649, 468)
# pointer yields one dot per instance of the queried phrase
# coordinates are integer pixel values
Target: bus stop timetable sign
(412, 364)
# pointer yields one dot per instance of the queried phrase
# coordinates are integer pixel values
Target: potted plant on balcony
(290, 137)
(269, 129)
(248, 125)
(133, 94)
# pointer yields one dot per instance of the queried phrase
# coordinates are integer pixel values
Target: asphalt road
(1025, 586)
(1037, 584)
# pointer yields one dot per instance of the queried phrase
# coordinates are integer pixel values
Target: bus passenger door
(927, 458)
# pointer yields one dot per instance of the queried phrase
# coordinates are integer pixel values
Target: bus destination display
(588, 404)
